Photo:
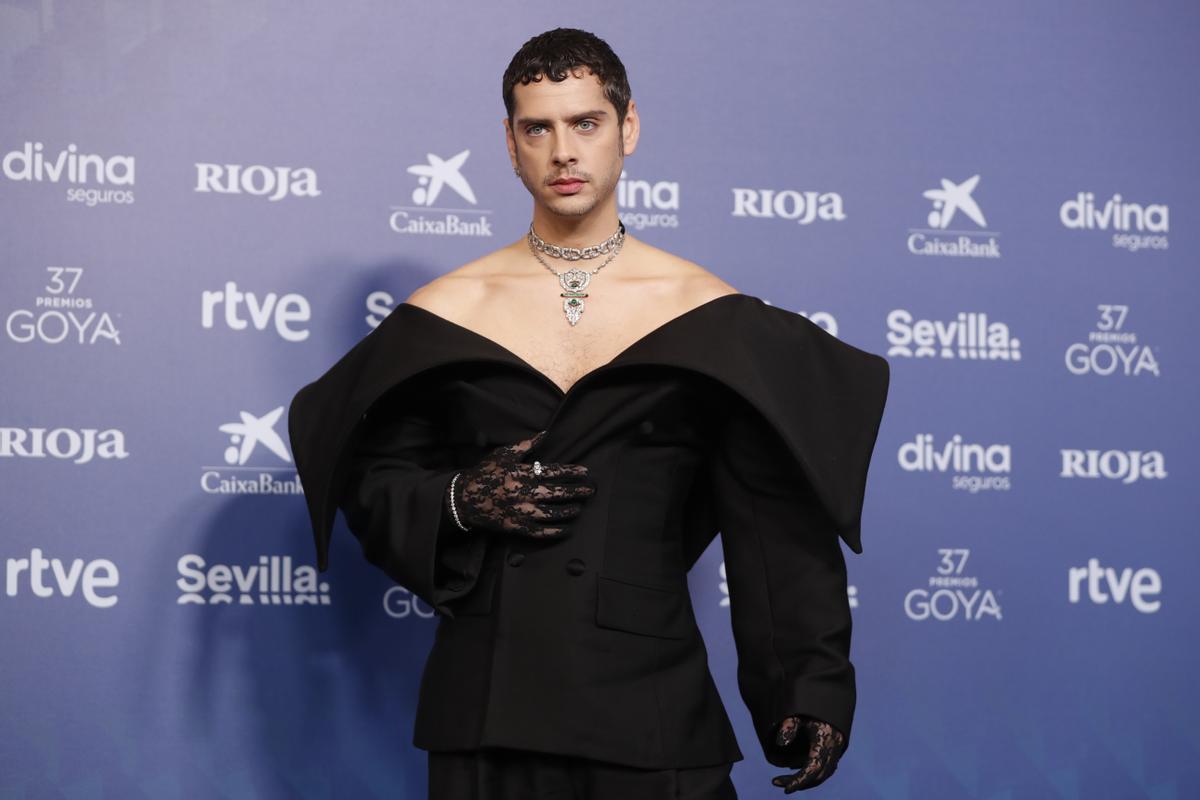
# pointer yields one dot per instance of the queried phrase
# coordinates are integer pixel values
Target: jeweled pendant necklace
(574, 282)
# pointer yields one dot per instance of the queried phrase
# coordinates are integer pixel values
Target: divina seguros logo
(33, 163)
(642, 204)
(973, 467)
(1135, 226)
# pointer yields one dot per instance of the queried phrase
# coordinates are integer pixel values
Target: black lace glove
(825, 745)
(502, 494)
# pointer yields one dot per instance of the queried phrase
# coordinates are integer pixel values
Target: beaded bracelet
(453, 508)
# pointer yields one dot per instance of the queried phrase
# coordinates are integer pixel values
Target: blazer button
(576, 566)
(515, 559)
(646, 426)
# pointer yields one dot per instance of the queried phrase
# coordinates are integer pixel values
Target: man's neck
(574, 231)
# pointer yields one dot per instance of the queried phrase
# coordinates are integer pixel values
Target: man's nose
(563, 151)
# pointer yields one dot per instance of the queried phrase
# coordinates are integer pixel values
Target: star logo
(952, 198)
(439, 173)
(252, 431)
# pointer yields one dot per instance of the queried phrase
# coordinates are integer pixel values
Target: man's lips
(568, 185)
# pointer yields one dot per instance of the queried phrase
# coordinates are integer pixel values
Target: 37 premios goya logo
(951, 594)
(1111, 349)
(62, 314)
(256, 459)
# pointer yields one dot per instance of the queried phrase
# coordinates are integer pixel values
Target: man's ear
(630, 129)
(510, 143)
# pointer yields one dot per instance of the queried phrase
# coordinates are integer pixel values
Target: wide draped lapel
(323, 415)
(823, 397)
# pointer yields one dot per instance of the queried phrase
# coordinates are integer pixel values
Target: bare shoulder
(684, 277)
(461, 288)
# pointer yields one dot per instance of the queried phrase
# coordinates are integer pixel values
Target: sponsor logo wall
(1028, 514)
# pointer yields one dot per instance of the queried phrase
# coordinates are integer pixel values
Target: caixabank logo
(63, 312)
(1112, 348)
(970, 336)
(256, 459)
(973, 467)
(430, 214)
(954, 205)
(91, 179)
(951, 594)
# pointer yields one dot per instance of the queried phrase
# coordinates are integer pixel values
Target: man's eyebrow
(599, 112)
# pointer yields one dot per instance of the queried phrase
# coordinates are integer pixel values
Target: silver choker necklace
(574, 282)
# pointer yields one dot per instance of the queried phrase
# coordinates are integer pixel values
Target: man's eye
(532, 128)
(588, 122)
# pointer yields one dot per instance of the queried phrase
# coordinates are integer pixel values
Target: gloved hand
(502, 494)
(825, 745)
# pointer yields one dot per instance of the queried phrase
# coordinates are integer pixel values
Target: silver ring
(537, 468)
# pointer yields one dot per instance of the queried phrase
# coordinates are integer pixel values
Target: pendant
(574, 282)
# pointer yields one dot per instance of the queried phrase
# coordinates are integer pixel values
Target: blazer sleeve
(787, 583)
(788, 478)
(393, 500)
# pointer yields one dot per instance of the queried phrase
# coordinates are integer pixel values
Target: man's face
(569, 130)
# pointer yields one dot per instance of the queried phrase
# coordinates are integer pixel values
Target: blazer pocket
(647, 610)
(478, 601)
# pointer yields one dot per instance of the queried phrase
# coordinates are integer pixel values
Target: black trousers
(505, 774)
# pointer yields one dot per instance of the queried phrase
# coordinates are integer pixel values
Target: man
(775, 481)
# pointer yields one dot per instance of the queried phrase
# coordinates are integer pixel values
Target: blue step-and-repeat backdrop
(205, 203)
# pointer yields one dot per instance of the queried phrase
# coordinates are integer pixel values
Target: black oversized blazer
(735, 417)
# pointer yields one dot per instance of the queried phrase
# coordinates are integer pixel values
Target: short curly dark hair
(559, 51)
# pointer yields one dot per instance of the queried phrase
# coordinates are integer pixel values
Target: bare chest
(565, 353)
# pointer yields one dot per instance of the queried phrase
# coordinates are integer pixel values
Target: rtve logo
(283, 311)
(1137, 586)
(45, 575)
